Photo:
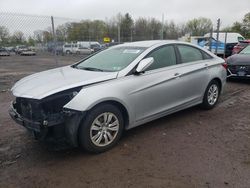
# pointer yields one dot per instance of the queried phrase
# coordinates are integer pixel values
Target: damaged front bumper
(63, 125)
(33, 125)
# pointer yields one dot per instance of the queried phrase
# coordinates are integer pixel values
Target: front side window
(163, 57)
(189, 53)
(111, 60)
(240, 38)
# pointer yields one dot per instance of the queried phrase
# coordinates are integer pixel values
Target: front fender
(91, 96)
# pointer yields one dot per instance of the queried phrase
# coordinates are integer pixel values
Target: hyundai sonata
(91, 102)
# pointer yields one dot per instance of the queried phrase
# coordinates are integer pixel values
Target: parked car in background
(92, 102)
(96, 47)
(84, 50)
(70, 48)
(112, 44)
(4, 52)
(21, 48)
(82, 47)
(241, 45)
(27, 52)
(239, 64)
(10, 48)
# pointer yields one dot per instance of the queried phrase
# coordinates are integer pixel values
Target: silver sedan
(92, 102)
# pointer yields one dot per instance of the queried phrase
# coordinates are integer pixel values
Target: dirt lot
(189, 149)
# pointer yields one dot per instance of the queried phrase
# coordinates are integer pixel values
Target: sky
(179, 11)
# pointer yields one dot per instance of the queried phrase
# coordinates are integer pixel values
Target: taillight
(224, 65)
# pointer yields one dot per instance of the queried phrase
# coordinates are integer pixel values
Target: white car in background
(84, 50)
(81, 47)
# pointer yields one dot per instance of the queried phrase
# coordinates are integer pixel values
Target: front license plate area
(241, 73)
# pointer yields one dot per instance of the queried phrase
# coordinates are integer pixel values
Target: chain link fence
(40, 34)
(54, 36)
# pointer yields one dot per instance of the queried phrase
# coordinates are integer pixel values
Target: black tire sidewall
(84, 130)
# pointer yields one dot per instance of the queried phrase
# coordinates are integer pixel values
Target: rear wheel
(211, 95)
(101, 129)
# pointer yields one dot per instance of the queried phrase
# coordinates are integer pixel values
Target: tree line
(120, 27)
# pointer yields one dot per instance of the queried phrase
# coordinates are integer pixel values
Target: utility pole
(225, 45)
(131, 34)
(162, 26)
(217, 36)
(119, 34)
(54, 38)
(210, 39)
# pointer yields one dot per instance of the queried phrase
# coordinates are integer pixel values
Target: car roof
(148, 43)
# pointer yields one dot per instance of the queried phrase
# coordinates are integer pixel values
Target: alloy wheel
(104, 129)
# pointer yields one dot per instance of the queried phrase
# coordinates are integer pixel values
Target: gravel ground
(189, 149)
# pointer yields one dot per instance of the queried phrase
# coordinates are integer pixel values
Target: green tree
(47, 36)
(246, 25)
(4, 35)
(171, 30)
(154, 28)
(199, 26)
(31, 41)
(141, 29)
(62, 32)
(18, 38)
(237, 27)
(111, 29)
(38, 36)
(126, 27)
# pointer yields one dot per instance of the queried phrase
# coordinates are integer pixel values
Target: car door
(158, 89)
(194, 72)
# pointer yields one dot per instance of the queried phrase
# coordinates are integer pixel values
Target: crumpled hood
(241, 59)
(43, 84)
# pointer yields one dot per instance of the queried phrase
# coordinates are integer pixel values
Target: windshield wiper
(90, 69)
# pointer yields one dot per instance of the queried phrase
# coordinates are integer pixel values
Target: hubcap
(104, 129)
(213, 94)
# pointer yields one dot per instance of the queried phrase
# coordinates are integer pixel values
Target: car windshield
(111, 60)
(246, 50)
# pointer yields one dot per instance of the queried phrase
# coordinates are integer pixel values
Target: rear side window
(189, 53)
(163, 57)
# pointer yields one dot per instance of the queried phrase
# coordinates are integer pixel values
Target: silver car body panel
(152, 95)
(57, 80)
(146, 97)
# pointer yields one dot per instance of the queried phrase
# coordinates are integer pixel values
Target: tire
(94, 135)
(68, 52)
(211, 95)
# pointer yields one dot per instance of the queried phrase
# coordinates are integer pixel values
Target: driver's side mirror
(144, 64)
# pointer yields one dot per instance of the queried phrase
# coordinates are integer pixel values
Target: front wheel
(211, 95)
(101, 129)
